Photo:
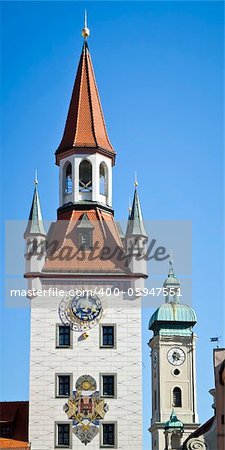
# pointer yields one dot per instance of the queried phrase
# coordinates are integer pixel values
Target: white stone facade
(86, 357)
(164, 381)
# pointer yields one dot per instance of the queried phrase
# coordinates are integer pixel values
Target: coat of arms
(85, 408)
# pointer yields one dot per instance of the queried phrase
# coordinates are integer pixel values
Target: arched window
(175, 441)
(68, 179)
(85, 176)
(103, 179)
(177, 400)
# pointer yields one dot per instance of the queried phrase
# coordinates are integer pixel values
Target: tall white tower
(85, 351)
(174, 408)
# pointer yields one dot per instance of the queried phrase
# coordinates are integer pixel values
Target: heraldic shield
(85, 408)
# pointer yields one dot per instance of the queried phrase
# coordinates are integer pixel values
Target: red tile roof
(105, 233)
(85, 126)
(12, 443)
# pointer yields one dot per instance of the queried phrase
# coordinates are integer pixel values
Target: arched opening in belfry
(103, 179)
(68, 185)
(85, 176)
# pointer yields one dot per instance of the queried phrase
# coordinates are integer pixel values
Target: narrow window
(64, 334)
(68, 179)
(103, 179)
(155, 400)
(108, 336)
(108, 435)
(63, 386)
(177, 401)
(175, 441)
(85, 240)
(108, 385)
(35, 246)
(63, 435)
(222, 419)
(85, 176)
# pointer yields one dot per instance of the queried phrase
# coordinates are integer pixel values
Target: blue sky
(159, 68)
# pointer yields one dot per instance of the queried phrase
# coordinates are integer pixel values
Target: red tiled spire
(85, 126)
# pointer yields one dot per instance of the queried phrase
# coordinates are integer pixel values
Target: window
(63, 336)
(175, 441)
(85, 240)
(103, 179)
(108, 435)
(63, 435)
(68, 179)
(85, 176)
(155, 400)
(177, 397)
(107, 336)
(5, 430)
(108, 385)
(63, 385)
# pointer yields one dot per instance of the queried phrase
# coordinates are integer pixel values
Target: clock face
(176, 356)
(154, 359)
(80, 312)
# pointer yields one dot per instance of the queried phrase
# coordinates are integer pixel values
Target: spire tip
(135, 180)
(35, 178)
(85, 31)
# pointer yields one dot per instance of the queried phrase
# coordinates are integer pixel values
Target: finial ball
(85, 32)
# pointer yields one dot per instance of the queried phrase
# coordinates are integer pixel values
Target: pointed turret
(85, 125)
(136, 237)
(35, 237)
(135, 226)
(35, 224)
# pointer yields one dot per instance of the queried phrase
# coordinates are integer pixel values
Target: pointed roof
(135, 224)
(85, 126)
(85, 223)
(35, 224)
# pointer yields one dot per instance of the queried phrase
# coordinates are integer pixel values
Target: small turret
(174, 429)
(35, 235)
(136, 237)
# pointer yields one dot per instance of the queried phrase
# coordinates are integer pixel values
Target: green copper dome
(173, 312)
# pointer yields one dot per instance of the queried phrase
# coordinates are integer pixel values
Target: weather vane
(216, 339)
(85, 31)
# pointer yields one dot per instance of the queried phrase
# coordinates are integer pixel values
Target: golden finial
(135, 179)
(85, 32)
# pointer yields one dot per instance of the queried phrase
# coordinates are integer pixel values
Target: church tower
(85, 350)
(173, 372)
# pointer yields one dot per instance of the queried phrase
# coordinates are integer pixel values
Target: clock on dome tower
(173, 372)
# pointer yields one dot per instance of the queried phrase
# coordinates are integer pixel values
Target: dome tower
(172, 367)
